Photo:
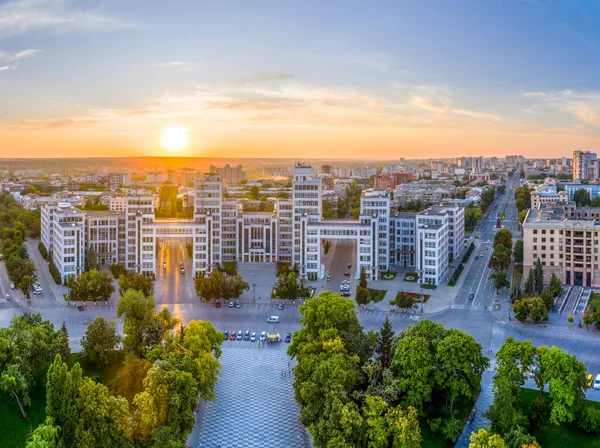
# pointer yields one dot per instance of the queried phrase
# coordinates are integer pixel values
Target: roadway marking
(460, 306)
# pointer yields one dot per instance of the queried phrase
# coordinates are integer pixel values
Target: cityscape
(391, 240)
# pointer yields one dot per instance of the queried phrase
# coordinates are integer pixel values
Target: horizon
(111, 78)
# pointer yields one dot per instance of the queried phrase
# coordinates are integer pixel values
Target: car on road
(218, 304)
(344, 282)
(481, 254)
(226, 334)
(165, 264)
(182, 270)
(471, 295)
(181, 264)
(288, 337)
(476, 256)
(280, 306)
(345, 293)
(253, 336)
(349, 265)
(263, 336)
(329, 278)
(415, 318)
(590, 380)
(240, 335)
(347, 273)
(345, 287)
(246, 335)
(597, 382)
(231, 305)
(273, 320)
(80, 307)
(12, 286)
(232, 337)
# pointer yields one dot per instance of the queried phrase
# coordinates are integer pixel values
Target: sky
(334, 79)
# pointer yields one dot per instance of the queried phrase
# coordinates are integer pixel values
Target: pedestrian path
(462, 306)
(483, 402)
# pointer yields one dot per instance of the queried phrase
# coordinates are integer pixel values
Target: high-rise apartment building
(585, 165)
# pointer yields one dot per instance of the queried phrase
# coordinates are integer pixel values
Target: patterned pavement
(255, 405)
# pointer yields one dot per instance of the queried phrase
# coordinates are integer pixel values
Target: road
(172, 287)
(336, 262)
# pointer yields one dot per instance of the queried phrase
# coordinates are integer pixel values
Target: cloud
(181, 65)
(4, 68)
(263, 77)
(54, 123)
(23, 16)
(24, 54)
(582, 105)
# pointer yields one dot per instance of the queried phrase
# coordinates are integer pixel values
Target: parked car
(237, 304)
(246, 335)
(253, 336)
(415, 318)
(597, 382)
(12, 286)
(590, 380)
(226, 334)
(240, 335)
(273, 320)
(263, 336)
(218, 304)
(345, 282)
(280, 306)
(288, 337)
(231, 305)
(181, 264)
(232, 337)
(80, 307)
(346, 294)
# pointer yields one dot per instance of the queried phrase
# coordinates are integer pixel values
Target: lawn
(517, 275)
(377, 295)
(551, 436)
(390, 275)
(416, 297)
(411, 277)
(10, 416)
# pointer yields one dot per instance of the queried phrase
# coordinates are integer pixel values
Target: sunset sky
(333, 79)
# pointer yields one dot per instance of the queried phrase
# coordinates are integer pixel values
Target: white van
(597, 382)
(275, 320)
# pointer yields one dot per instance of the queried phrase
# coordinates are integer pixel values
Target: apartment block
(585, 165)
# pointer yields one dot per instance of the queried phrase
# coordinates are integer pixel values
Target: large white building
(221, 231)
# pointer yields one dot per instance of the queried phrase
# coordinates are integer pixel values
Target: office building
(585, 165)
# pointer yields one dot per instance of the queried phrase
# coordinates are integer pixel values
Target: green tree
(288, 288)
(255, 192)
(92, 285)
(91, 259)
(503, 237)
(548, 299)
(452, 429)
(44, 436)
(529, 288)
(581, 197)
(522, 216)
(555, 285)
(504, 413)
(62, 387)
(100, 342)
(483, 439)
(377, 431)
(403, 301)
(518, 251)
(26, 285)
(63, 342)
(385, 339)
(538, 275)
(363, 295)
(472, 216)
(18, 268)
(515, 293)
(404, 427)
(136, 281)
(500, 280)
(500, 259)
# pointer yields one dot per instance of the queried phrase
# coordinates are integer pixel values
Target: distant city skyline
(334, 80)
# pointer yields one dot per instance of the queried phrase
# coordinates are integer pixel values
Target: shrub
(117, 270)
(570, 319)
(43, 251)
(589, 421)
(54, 273)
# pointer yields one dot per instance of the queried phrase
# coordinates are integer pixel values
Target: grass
(411, 277)
(416, 296)
(390, 275)
(552, 436)
(428, 286)
(517, 275)
(457, 274)
(462, 409)
(10, 415)
(377, 295)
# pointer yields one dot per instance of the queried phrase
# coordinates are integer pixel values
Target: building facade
(585, 165)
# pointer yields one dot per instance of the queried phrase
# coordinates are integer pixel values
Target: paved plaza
(255, 404)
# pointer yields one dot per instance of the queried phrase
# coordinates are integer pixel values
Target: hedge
(43, 251)
(54, 273)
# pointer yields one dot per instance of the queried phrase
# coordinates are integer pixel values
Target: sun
(174, 138)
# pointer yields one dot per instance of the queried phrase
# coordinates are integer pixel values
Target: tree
(100, 341)
(529, 288)
(255, 192)
(62, 387)
(385, 339)
(26, 285)
(18, 268)
(363, 295)
(532, 307)
(548, 299)
(91, 259)
(452, 429)
(504, 413)
(581, 197)
(503, 237)
(136, 281)
(522, 216)
(94, 285)
(500, 280)
(538, 275)
(287, 287)
(515, 293)
(472, 216)
(377, 431)
(483, 439)
(403, 300)
(63, 342)
(44, 436)
(404, 427)
(25, 346)
(143, 329)
(555, 285)
(518, 251)
(500, 259)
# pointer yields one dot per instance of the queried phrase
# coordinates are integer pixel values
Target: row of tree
(561, 381)
(219, 285)
(501, 258)
(180, 364)
(371, 389)
(523, 198)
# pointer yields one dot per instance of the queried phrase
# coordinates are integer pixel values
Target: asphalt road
(171, 287)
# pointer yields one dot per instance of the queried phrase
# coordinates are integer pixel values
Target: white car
(415, 318)
(263, 336)
(253, 336)
(12, 286)
(273, 320)
(597, 382)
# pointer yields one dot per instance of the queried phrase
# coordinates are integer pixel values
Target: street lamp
(254, 287)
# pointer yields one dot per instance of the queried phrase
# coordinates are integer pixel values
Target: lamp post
(254, 287)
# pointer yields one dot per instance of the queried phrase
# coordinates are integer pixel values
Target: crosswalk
(462, 306)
